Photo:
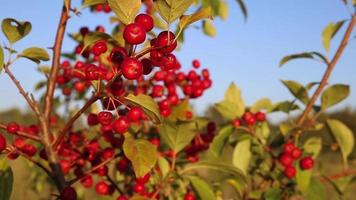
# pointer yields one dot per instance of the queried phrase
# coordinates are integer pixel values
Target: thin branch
(56, 59)
(328, 72)
(117, 188)
(48, 172)
(349, 172)
(22, 134)
(71, 182)
(73, 119)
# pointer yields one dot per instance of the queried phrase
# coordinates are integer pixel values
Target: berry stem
(22, 134)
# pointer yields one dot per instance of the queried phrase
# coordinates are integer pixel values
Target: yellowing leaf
(170, 10)
(2, 61)
(329, 32)
(186, 20)
(223, 10)
(148, 105)
(208, 28)
(15, 30)
(334, 95)
(142, 154)
(35, 54)
(125, 10)
(242, 155)
(87, 3)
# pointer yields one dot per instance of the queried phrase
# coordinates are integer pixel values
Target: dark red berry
(105, 117)
(146, 21)
(307, 163)
(2, 143)
(132, 68)
(117, 55)
(134, 34)
(68, 193)
(92, 119)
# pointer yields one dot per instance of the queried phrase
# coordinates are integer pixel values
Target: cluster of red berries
(200, 143)
(249, 119)
(105, 8)
(2, 143)
(290, 154)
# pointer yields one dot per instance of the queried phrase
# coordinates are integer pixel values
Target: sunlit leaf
(202, 188)
(148, 105)
(126, 11)
(297, 90)
(209, 28)
(220, 140)
(329, 32)
(170, 10)
(242, 155)
(309, 55)
(87, 3)
(15, 30)
(334, 95)
(35, 54)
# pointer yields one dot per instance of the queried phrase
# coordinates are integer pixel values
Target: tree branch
(22, 134)
(331, 66)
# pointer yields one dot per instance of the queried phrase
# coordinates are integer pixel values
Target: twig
(328, 72)
(71, 182)
(115, 185)
(22, 134)
(339, 175)
(70, 123)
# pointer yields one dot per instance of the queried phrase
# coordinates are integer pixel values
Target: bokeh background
(246, 52)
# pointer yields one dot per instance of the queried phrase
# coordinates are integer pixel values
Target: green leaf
(209, 28)
(178, 135)
(316, 191)
(223, 10)
(297, 90)
(202, 188)
(285, 106)
(6, 180)
(15, 30)
(303, 179)
(220, 140)
(93, 37)
(273, 194)
(334, 95)
(343, 136)
(179, 112)
(216, 166)
(313, 146)
(243, 8)
(87, 3)
(187, 20)
(263, 131)
(163, 166)
(170, 10)
(148, 105)
(214, 4)
(262, 104)
(126, 11)
(2, 59)
(35, 54)
(142, 154)
(329, 32)
(242, 155)
(310, 55)
(233, 105)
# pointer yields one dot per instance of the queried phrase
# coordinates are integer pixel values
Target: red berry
(236, 123)
(68, 193)
(296, 153)
(260, 116)
(99, 48)
(105, 117)
(166, 41)
(196, 64)
(92, 119)
(169, 62)
(84, 30)
(134, 33)
(251, 121)
(12, 127)
(147, 66)
(135, 114)
(285, 159)
(307, 163)
(290, 172)
(132, 68)
(121, 125)
(143, 180)
(189, 196)
(146, 21)
(288, 148)
(102, 188)
(2, 143)
(122, 197)
(139, 188)
(87, 181)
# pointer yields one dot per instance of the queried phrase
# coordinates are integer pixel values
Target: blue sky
(244, 52)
